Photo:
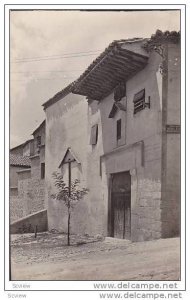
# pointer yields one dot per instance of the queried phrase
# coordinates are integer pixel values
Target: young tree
(70, 195)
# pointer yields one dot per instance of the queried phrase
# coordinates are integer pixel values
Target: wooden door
(121, 205)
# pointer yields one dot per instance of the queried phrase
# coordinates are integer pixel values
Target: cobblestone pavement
(48, 257)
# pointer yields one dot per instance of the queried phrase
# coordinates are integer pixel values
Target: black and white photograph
(95, 147)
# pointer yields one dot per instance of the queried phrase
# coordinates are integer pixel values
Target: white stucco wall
(145, 167)
(66, 126)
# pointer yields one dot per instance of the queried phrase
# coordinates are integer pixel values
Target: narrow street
(49, 258)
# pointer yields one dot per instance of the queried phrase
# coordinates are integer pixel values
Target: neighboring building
(38, 159)
(17, 163)
(27, 181)
(25, 149)
(18, 150)
(124, 142)
(28, 149)
(19, 160)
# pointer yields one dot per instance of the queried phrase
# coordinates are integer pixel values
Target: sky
(50, 49)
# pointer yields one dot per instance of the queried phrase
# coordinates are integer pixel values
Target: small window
(118, 129)
(38, 140)
(94, 135)
(42, 170)
(139, 101)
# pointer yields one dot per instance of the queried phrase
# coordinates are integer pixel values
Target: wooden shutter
(139, 101)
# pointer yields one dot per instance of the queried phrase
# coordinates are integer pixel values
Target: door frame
(110, 202)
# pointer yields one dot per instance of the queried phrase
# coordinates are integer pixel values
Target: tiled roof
(111, 67)
(162, 38)
(16, 160)
(71, 87)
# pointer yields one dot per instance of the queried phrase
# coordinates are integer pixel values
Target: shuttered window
(139, 101)
(94, 135)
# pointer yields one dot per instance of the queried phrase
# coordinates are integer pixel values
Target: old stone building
(31, 182)
(27, 192)
(25, 149)
(120, 125)
(17, 163)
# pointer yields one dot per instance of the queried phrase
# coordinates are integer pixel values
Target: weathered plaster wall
(142, 159)
(69, 123)
(97, 202)
(171, 174)
(146, 126)
(66, 126)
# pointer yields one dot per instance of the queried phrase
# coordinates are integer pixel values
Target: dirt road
(48, 258)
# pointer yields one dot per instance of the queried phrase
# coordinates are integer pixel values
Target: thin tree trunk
(68, 229)
(68, 236)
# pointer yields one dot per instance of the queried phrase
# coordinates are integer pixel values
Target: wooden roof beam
(90, 87)
(98, 81)
(101, 80)
(133, 56)
(105, 91)
(96, 76)
(109, 85)
(123, 64)
(90, 83)
(110, 73)
(105, 86)
(115, 67)
(131, 61)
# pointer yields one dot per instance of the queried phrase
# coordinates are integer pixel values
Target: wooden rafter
(106, 72)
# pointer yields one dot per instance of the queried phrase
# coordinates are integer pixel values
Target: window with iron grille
(118, 129)
(139, 101)
(94, 135)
